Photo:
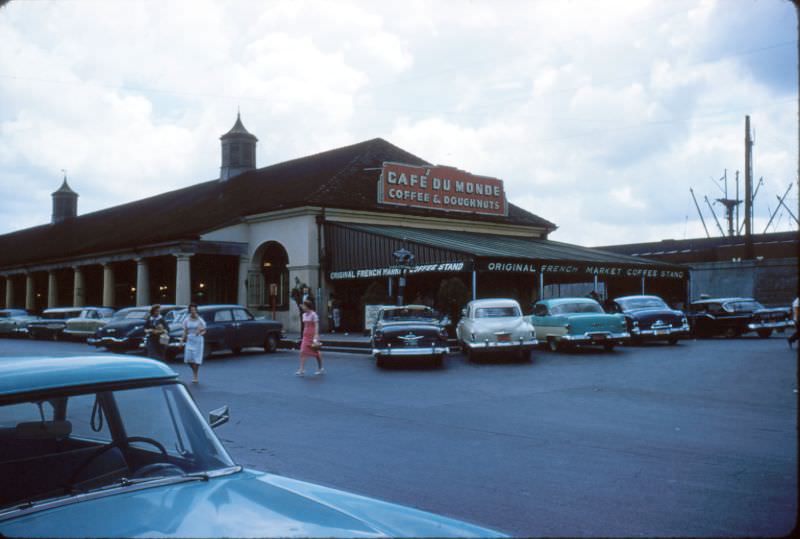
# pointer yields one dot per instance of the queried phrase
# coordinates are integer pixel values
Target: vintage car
(650, 318)
(52, 322)
(87, 323)
(489, 327)
(14, 322)
(566, 322)
(732, 317)
(228, 327)
(114, 446)
(409, 331)
(125, 331)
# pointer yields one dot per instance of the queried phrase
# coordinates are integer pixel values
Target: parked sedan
(14, 322)
(87, 323)
(115, 447)
(125, 331)
(410, 331)
(228, 327)
(52, 322)
(732, 317)
(495, 326)
(650, 318)
(566, 322)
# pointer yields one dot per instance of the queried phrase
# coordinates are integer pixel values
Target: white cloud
(598, 116)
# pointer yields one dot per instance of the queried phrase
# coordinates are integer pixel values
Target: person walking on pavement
(310, 345)
(154, 327)
(796, 317)
(194, 327)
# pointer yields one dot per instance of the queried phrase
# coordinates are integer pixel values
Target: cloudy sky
(598, 116)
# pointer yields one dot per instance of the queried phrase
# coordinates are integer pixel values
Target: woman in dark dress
(154, 326)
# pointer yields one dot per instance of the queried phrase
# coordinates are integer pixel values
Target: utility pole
(748, 190)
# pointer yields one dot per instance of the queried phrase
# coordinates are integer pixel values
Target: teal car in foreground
(566, 322)
(113, 446)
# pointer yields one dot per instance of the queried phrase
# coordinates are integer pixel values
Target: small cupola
(65, 203)
(238, 151)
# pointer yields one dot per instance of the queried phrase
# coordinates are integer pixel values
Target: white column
(30, 298)
(9, 292)
(183, 279)
(241, 289)
(142, 282)
(108, 285)
(52, 290)
(78, 292)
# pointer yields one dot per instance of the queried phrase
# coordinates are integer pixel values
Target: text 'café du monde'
(441, 187)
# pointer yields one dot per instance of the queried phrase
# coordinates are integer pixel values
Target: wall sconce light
(202, 285)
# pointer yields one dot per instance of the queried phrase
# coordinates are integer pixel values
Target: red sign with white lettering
(441, 188)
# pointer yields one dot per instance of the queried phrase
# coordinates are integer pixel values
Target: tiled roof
(343, 178)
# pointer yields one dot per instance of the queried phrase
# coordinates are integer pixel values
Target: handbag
(163, 338)
(316, 346)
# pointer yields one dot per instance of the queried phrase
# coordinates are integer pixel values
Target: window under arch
(275, 272)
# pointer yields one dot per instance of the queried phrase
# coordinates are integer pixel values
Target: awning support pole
(474, 285)
(541, 285)
(643, 278)
(595, 283)
(391, 291)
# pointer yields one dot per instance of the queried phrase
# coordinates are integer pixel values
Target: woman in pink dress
(309, 346)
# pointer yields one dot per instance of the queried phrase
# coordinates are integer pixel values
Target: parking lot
(698, 439)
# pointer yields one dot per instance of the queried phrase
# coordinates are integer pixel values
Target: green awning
(362, 250)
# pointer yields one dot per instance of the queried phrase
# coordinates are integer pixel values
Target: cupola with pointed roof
(238, 151)
(65, 203)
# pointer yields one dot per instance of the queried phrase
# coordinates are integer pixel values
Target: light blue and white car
(114, 446)
(567, 322)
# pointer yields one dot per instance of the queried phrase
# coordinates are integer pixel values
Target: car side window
(88, 418)
(241, 314)
(223, 316)
(540, 309)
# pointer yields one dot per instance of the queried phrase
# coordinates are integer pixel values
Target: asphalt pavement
(693, 440)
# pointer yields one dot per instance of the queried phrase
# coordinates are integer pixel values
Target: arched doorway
(269, 278)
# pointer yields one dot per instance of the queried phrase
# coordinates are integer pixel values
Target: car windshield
(576, 307)
(746, 306)
(394, 315)
(68, 444)
(497, 312)
(642, 303)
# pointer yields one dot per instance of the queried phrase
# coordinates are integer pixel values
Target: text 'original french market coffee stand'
(518, 265)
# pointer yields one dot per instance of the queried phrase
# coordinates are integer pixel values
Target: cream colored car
(492, 327)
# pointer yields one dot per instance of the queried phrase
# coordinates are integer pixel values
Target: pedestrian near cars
(154, 327)
(194, 327)
(796, 317)
(310, 345)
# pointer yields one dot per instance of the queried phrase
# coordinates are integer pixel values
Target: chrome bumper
(415, 351)
(596, 337)
(770, 325)
(504, 345)
(660, 331)
(104, 340)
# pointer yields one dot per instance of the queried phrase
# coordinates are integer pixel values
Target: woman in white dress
(194, 328)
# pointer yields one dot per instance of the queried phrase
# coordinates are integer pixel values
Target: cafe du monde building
(341, 226)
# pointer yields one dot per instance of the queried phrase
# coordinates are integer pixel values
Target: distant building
(329, 222)
(718, 266)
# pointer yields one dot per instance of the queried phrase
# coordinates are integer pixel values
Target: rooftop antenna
(696, 205)
(713, 213)
(780, 202)
(730, 204)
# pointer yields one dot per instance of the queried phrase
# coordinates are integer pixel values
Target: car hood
(245, 504)
(408, 325)
(505, 323)
(654, 313)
